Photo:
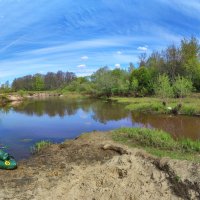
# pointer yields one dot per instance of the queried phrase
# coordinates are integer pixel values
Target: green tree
(133, 87)
(131, 67)
(143, 77)
(38, 82)
(79, 84)
(110, 82)
(182, 87)
(5, 88)
(120, 82)
(163, 88)
(172, 62)
(103, 82)
(190, 50)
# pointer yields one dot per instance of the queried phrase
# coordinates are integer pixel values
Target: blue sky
(83, 35)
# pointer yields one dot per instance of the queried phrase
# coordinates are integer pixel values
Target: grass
(158, 143)
(39, 146)
(190, 106)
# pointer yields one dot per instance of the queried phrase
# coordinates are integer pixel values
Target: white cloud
(144, 48)
(119, 52)
(79, 45)
(117, 65)
(81, 66)
(84, 58)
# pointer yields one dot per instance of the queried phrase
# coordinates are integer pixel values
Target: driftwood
(117, 149)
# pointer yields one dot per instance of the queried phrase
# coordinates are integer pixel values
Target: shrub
(163, 88)
(182, 87)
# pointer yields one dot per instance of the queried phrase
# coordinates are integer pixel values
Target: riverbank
(93, 166)
(186, 106)
(16, 98)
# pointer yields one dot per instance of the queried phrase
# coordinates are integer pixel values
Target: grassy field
(189, 105)
(158, 143)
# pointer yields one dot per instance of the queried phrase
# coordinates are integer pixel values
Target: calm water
(57, 119)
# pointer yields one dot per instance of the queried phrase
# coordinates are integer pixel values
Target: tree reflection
(51, 106)
(102, 111)
(106, 111)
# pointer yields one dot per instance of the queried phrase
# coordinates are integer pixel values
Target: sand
(93, 167)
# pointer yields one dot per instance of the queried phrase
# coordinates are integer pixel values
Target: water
(57, 119)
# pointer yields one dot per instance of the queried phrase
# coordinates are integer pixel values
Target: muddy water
(57, 119)
(178, 126)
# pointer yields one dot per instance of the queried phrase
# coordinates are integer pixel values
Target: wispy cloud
(191, 7)
(81, 45)
(81, 66)
(84, 58)
(119, 52)
(143, 48)
(66, 34)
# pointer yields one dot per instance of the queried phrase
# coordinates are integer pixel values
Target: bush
(163, 87)
(140, 80)
(182, 87)
(21, 93)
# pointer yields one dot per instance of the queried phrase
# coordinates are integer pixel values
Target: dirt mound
(92, 167)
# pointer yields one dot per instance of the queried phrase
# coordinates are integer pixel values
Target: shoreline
(93, 166)
(187, 106)
(16, 98)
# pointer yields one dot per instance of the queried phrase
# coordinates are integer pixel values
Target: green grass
(39, 146)
(190, 106)
(158, 143)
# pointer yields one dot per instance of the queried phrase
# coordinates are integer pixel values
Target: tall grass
(159, 143)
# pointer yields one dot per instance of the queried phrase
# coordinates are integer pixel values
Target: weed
(39, 146)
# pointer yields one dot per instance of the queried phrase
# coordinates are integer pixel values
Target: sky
(83, 35)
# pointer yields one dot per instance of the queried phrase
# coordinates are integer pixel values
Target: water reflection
(59, 118)
(52, 107)
(102, 111)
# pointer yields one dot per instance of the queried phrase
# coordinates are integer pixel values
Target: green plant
(158, 142)
(39, 146)
(162, 88)
(182, 87)
(177, 178)
(21, 93)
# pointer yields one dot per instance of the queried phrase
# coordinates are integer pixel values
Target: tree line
(39, 82)
(174, 71)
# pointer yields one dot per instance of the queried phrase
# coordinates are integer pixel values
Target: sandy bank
(93, 167)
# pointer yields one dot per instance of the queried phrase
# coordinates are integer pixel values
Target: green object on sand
(4, 155)
(6, 161)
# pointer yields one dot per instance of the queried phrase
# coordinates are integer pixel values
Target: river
(59, 118)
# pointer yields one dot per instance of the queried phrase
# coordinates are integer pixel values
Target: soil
(93, 167)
